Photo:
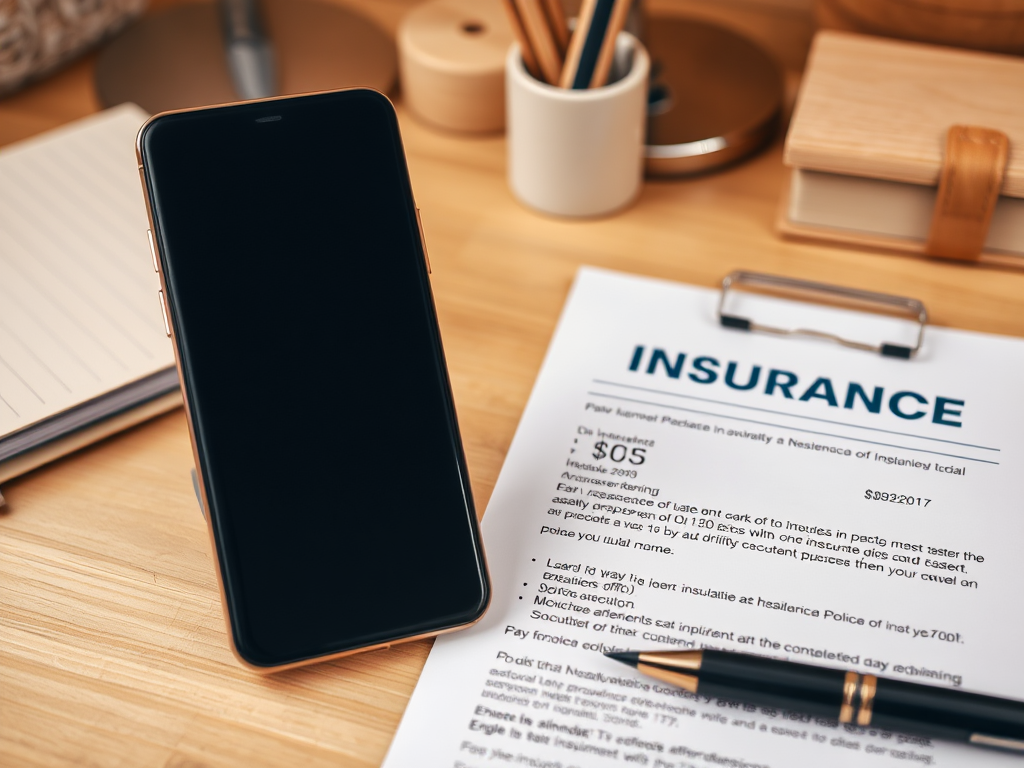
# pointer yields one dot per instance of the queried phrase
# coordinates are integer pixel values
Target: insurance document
(674, 484)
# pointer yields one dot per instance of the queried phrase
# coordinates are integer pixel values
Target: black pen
(850, 697)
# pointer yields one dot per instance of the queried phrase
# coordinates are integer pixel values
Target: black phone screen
(313, 369)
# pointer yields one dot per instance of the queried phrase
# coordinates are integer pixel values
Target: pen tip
(626, 657)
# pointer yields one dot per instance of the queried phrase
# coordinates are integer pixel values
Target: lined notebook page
(79, 314)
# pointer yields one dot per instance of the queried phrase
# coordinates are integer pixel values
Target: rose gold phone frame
(192, 435)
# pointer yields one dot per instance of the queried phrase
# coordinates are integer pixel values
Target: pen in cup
(580, 60)
(519, 32)
(559, 26)
(592, 47)
(541, 38)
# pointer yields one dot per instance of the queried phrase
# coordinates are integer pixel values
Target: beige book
(893, 209)
(867, 139)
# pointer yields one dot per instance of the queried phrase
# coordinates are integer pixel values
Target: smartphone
(295, 289)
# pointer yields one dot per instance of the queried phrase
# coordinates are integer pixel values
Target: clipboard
(823, 293)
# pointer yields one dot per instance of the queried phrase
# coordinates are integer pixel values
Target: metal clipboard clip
(884, 303)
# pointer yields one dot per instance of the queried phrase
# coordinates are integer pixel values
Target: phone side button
(152, 250)
(423, 241)
(163, 311)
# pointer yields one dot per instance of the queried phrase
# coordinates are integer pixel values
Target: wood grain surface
(112, 644)
(987, 25)
(881, 108)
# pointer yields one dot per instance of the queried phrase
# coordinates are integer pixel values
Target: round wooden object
(987, 25)
(451, 56)
(175, 59)
(715, 97)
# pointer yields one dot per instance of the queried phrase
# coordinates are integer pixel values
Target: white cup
(578, 152)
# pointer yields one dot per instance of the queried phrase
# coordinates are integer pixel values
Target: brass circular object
(715, 96)
(176, 58)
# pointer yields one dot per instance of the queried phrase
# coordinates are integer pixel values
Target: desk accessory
(451, 56)
(897, 146)
(716, 97)
(558, 162)
(249, 51)
(542, 38)
(515, 22)
(849, 697)
(558, 24)
(83, 353)
(804, 290)
(175, 58)
(592, 47)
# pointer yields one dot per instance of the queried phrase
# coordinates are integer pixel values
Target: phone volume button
(163, 311)
(423, 241)
(152, 250)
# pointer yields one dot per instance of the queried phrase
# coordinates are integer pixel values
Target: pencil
(559, 26)
(592, 47)
(584, 22)
(603, 67)
(541, 39)
(525, 49)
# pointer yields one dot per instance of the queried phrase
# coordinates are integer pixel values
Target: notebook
(868, 138)
(83, 351)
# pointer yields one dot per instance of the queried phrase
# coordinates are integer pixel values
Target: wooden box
(868, 140)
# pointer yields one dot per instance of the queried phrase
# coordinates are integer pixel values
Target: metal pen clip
(878, 302)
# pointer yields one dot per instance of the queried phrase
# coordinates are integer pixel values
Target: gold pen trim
(849, 692)
(868, 687)
(683, 660)
(678, 679)
(999, 742)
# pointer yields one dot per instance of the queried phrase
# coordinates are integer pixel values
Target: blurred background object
(249, 51)
(178, 58)
(38, 36)
(985, 25)
(452, 61)
(869, 145)
(715, 97)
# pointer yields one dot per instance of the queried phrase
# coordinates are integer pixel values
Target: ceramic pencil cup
(578, 152)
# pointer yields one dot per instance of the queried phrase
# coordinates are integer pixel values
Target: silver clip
(877, 302)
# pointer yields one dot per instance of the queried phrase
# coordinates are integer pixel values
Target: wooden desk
(112, 643)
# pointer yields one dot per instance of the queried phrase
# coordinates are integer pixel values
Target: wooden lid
(881, 108)
(464, 37)
(452, 63)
